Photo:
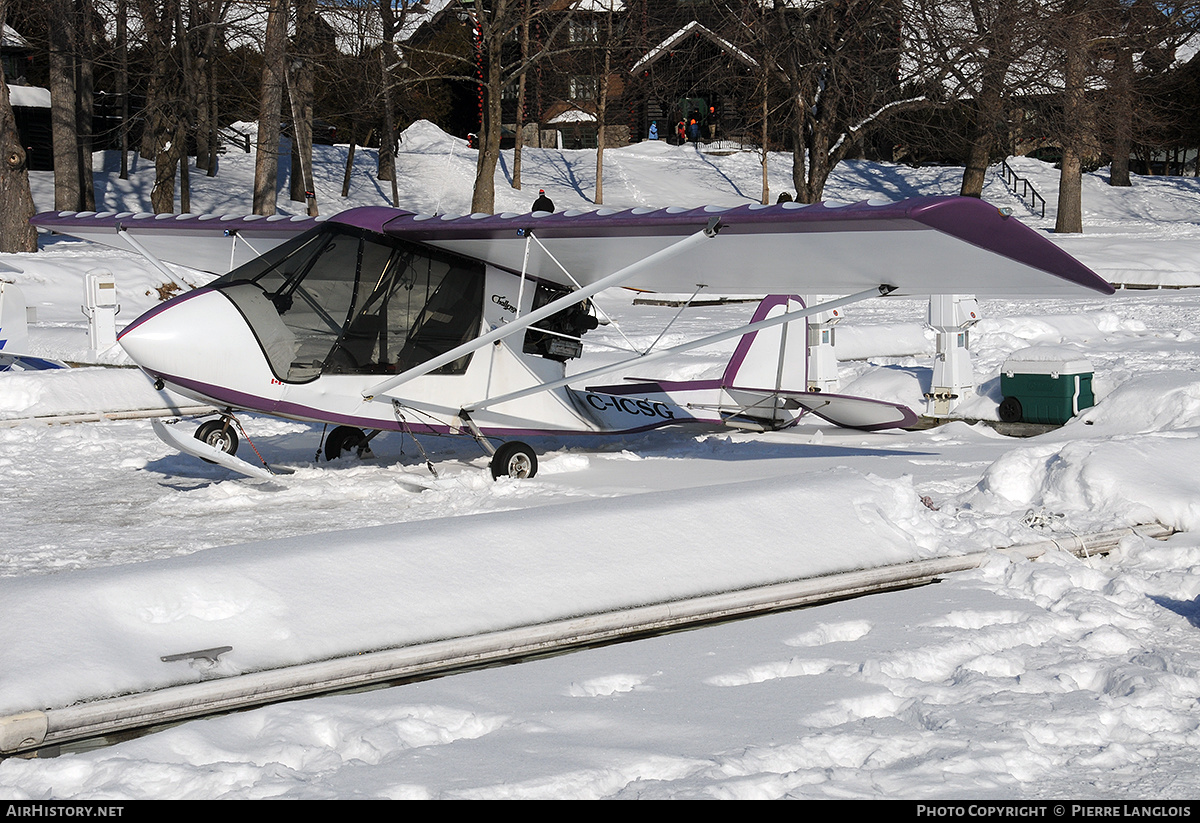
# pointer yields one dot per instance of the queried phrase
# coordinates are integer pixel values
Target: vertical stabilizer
(14, 329)
(774, 359)
(14, 334)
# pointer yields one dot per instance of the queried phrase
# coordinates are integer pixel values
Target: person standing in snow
(654, 130)
(543, 203)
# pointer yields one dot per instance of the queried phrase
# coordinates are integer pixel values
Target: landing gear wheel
(343, 439)
(514, 459)
(1010, 410)
(219, 434)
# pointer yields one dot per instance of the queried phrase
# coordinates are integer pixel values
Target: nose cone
(199, 340)
(164, 340)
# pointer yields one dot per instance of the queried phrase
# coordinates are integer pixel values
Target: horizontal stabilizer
(10, 361)
(856, 412)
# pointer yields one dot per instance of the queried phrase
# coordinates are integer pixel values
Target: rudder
(772, 359)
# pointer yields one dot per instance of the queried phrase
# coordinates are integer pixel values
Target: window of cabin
(342, 300)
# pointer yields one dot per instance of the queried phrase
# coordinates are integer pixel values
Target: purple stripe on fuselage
(221, 396)
(651, 386)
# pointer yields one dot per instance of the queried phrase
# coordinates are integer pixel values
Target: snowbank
(309, 598)
(1128, 460)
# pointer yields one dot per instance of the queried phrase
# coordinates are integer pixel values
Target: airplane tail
(14, 330)
(14, 334)
(764, 386)
(773, 359)
(767, 369)
(767, 381)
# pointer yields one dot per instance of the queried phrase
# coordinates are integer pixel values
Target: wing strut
(786, 317)
(553, 307)
(144, 252)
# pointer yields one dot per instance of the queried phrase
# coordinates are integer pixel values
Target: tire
(219, 435)
(1010, 410)
(343, 439)
(514, 459)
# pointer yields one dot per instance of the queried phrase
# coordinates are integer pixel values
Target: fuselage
(306, 330)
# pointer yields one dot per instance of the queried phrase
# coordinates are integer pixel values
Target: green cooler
(1044, 386)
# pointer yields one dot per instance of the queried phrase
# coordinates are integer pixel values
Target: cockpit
(344, 300)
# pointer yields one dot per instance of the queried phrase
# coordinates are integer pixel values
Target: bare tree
(266, 158)
(987, 52)
(1076, 24)
(164, 136)
(16, 202)
(205, 29)
(519, 139)
(300, 96)
(63, 34)
(389, 59)
(122, 46)
(1134, 47)
(493, 66)
(839, 62)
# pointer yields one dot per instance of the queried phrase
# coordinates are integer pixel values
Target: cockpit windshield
(343, 300)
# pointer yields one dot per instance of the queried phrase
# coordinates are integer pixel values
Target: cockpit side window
(341, 300)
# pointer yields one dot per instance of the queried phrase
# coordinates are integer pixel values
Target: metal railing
(1023, 188)
(238, 138)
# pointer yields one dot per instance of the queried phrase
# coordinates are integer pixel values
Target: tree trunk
(766, 185)
(214, 137)
(387, 135)
(16, 202)
(810, 158)
(601, 111)
(483, 196)
(201, 70)
(1070, 186)
(123, 83)
(85, 103)
(185, 117)
(1122, 97)
(159, 124)
(266, 158)
(166, 155)
(975, 175)
(520, 135)
(300, 93)
(349, 167)
(185, 177)
(63, 122)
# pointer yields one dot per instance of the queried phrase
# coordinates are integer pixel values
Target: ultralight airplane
(378, 319)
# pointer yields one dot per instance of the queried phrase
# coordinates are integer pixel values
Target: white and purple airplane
(378, 319)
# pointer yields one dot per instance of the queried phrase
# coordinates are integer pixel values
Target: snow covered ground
(1060, 678)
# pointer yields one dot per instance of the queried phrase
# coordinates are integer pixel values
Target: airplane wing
(927, 245)
(205, 242)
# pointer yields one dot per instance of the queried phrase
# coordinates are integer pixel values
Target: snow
(32, 96)
(1059, 678)
(573, 116)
